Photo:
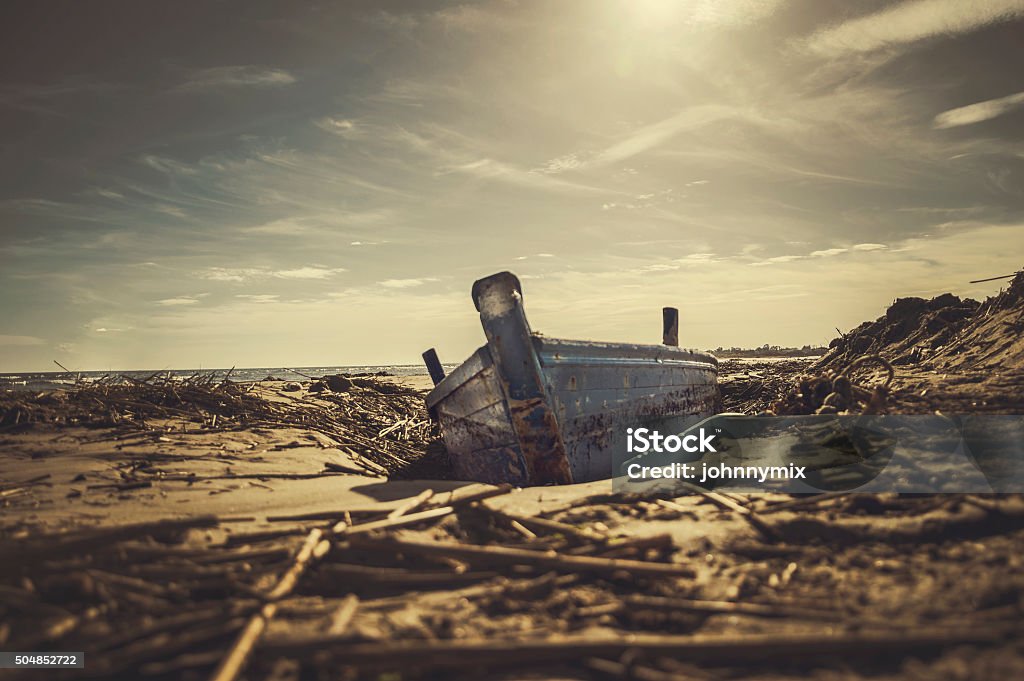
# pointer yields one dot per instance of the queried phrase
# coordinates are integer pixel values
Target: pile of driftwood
(207, 399)
(750, 387)
(442, 584)
(379, 421)
(866, 386)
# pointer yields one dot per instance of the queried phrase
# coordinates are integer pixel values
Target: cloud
(239, 274)
(406, 283)
(168, 165)
(650, 136)
(776, 260)
(220, 77)
(560, 164)
(284, 227)
(173, 211)
(343, 127)
(491, 169)
(697, 259)
(910, 22)
(20, 341)
(175, 302)
(308, 273)
(260, 298)
(978, 112)
(823, 253)
(232, 273)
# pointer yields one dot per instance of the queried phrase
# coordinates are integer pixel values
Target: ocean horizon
(54, 380)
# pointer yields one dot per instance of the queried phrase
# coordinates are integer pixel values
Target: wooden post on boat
(499, 299)
(670, 326)
(434, 367)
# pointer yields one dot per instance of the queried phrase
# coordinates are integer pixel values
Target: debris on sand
(455, 586)
(944, 332)
(837, 393)
(383, 424)
(944, 355)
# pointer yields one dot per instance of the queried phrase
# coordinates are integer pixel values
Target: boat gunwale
(577, 353)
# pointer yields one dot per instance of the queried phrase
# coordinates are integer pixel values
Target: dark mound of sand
(942, 333)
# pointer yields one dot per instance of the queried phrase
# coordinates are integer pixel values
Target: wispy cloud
(979, 111)
(828, 252)
(822, 253)
(220, 77)
(259, 298)
(232, 273)
(654, 134)
(168, 165)
(308, 273)
(910, 22)
(283, 227)
(406, 283)
(492, 169)
(179, 301)
(560, 164)
(343, 127)
(240, 274)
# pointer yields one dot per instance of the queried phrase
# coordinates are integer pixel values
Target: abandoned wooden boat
(532, 410)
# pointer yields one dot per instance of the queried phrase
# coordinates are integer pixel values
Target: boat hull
(528, 409)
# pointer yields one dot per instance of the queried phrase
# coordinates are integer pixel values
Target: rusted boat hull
(532, 410)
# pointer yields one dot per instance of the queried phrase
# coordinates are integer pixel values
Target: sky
(254, 183)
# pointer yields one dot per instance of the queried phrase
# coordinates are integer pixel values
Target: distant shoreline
(56, 380)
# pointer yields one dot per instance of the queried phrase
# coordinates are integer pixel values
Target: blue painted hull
(573, 425)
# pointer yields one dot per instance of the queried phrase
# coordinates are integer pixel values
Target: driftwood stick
(511, 556)
(247, 476)
(544, 525)
(26, 483)
(343, 528)
(711, 649)
(411, 504)
(342, 617)
(233, 663)
(727, 607)
(615, 547)
(470, 497)
(365, 575)
(800, 502)
(310, 548)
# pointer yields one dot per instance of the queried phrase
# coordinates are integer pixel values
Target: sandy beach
(154, 525)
